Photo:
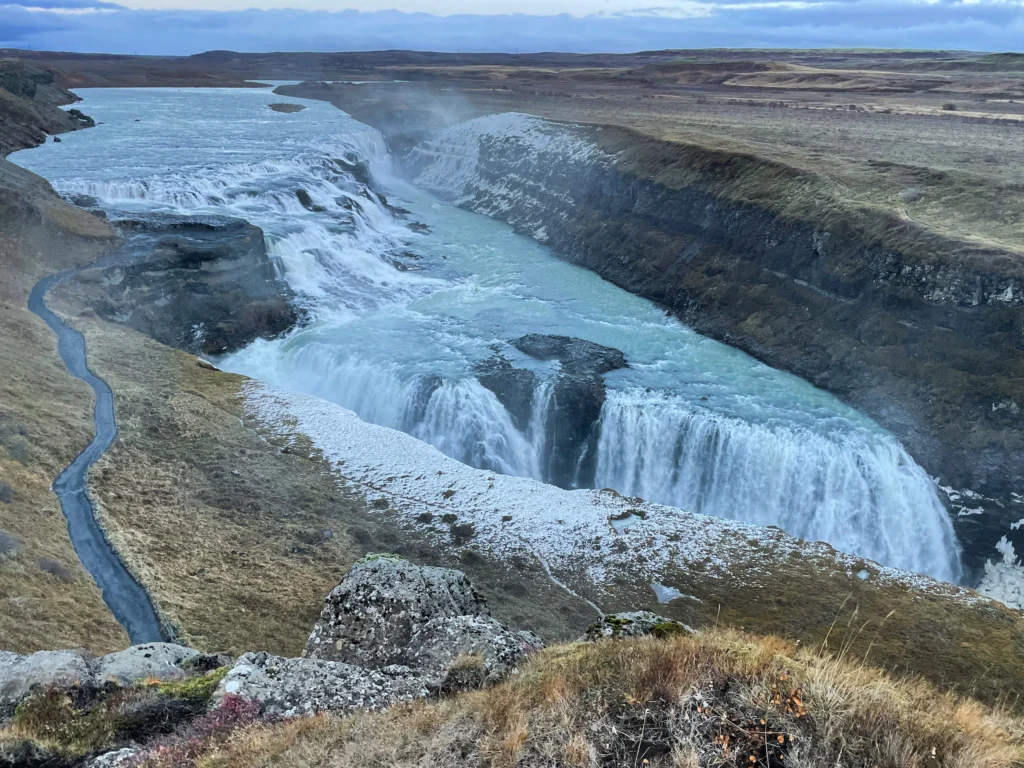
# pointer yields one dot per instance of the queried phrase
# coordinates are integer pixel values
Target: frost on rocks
(295, 687)
(1004, 580)
(517, 167)
(570, 533)
(118, 758)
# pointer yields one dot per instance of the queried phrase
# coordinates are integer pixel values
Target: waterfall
(400, 316)
(862, 493)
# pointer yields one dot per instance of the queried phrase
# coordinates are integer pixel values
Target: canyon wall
(925, 336)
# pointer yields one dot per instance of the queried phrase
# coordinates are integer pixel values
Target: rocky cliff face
(929, 344)
(577, 398)
(201, 283)
(29, 107)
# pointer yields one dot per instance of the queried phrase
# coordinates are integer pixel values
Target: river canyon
(468, 335)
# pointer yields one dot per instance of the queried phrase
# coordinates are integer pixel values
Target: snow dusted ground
(582, 537)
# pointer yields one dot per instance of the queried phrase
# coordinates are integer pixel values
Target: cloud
(612, 25)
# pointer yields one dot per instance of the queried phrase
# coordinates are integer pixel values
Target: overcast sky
(192, 26)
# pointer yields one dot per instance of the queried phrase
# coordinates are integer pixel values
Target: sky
(182, 27)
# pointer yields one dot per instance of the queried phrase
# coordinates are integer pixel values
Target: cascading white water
(859, 493)
(691, 423)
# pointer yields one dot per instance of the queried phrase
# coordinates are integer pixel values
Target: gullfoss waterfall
(416, 311)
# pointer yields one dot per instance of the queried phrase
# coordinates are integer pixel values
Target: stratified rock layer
(201, 283)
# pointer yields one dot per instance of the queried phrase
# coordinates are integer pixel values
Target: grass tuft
(199, 688)
(716, 699)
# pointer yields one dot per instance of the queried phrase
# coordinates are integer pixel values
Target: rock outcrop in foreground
(21, 676)
(391, 631)
(29, 107)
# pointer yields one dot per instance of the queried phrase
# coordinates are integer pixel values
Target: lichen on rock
(635, 624)
(391, 631)
(370, 618)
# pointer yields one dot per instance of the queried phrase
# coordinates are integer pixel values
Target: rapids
(399, 314)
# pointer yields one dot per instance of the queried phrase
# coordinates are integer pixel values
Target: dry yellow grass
(716, 699)
(45, 420)
(237, 540)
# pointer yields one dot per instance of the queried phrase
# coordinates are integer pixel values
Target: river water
(398, 314)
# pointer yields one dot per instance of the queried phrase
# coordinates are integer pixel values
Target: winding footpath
(125, 597)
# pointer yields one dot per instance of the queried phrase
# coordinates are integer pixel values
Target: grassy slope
(721, 698)
(48, 600)
(226, 529)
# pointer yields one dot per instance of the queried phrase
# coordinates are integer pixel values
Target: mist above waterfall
(406, 296)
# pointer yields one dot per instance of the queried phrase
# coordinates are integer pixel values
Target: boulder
(159, 661)
(371, 617)
(286, 107)
(22, 675)
(635, 624)
(295, 687)
(391, 631)
(460, 652)
(577, 356)
(118, 758)
(306, 201)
